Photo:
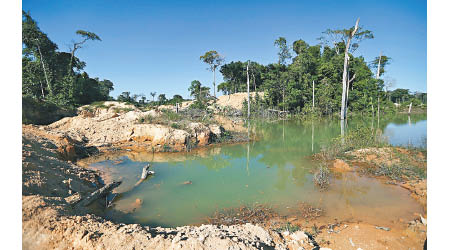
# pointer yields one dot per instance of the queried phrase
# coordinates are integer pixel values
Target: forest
(306, 78)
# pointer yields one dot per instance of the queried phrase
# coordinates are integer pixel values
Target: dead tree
(248, 93)
(344, 74)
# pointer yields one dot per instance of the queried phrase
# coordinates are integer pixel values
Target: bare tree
(344, 74)
(43, 67)
(77, 45)
(248, 92)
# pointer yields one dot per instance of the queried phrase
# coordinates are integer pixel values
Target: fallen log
(99, 193)
(145, 173)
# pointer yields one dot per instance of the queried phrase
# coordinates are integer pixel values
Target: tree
(177, 99)
(124, 97)
(284, 50)
(283, 55)
(345, 36)
(379, 63)
(214, 60)
(153, 95)
(199, 92)
(162, 99)
(86, 35)
(38, 45)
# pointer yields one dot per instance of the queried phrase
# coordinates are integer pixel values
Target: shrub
(322, 177)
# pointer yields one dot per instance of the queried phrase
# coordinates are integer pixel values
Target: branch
(356, 27)
(353, 78)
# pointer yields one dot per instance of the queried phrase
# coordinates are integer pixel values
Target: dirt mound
(235, 100)
(118, 124)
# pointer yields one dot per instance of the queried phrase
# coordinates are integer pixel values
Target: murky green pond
(274, 170)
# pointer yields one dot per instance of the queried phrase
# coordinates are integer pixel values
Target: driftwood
(99, 193)
(145, 173)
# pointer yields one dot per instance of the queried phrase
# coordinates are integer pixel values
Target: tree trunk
(344, 82)
(45, 72)
(42, 89)
(373, 111)
(99, 193)
(344, 74)
(409, 110)
(313, 94)
(254, 81)
(248, 94)
(214, 82)
(379, 66)
(72, 54)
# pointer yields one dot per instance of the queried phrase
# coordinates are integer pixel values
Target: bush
(322, 177)
(197, 105)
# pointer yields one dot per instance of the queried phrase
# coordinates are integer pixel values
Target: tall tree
(283, 55)
(86, 35)
(248, 91)
(38, 45)
(347, 36)
(214, 60)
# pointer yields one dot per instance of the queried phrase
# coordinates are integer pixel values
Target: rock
(138, 201)
(217, 130)
(187, 182)
(383, 228)
(299, 235)
(423, 220)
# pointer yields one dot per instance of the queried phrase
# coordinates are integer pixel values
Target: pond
(274, 170)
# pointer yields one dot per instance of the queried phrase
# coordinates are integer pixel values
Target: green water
(273, 170)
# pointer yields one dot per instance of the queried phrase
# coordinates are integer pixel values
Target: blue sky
(155, 45)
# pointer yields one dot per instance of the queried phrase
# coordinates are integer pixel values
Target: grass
(287, 227)
(360, 137)
(398, 172)
(396, 163)
(179, 120)
(122, 110)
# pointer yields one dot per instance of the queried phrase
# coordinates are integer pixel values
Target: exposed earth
(53, 186)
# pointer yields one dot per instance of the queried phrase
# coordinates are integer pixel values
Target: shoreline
(50, 220)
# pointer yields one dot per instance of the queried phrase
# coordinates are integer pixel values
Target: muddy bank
(51, 219)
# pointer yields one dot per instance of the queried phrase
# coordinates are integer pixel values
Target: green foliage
(213, 59)
(284, 51)
(199, 92)
(356, 138)
(287, 227)
(45, 75)
(41, 113)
